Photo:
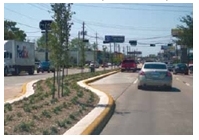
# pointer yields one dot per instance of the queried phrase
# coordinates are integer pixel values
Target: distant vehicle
(128, 65)
(180, 68)
(18, 56)
(170, 67)
(105, 65)
(45, 66)
(95, 64)
(109, 64)
(191, 68)
(154, 74)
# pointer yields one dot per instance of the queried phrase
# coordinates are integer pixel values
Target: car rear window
(155, 66)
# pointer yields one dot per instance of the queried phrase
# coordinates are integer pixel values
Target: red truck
(129, 65)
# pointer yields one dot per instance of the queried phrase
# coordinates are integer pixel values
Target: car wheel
(139, 87)
(6, 71)
(122, 70)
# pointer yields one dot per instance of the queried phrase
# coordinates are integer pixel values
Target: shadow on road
(174, 89)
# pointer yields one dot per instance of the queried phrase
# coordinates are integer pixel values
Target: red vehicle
(129, 65)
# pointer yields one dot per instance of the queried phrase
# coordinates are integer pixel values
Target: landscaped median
(94, 122)
(39, 114)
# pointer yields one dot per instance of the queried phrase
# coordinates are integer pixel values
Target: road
(13, 84)
(148, 112)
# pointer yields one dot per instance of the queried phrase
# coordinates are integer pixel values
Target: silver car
(155, 74)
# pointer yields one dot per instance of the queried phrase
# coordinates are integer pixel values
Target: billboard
(114, 39)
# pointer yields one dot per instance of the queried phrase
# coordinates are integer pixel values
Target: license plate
(155, 75)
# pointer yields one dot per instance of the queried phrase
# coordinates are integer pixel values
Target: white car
(155, 74)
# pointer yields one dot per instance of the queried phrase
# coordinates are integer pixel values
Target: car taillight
(169, 74)
(142, 73)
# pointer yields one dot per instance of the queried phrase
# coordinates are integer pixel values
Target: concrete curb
(94, 121)
(27, 90)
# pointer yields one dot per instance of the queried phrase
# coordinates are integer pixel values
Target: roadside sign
(45, 24)
(114, 39)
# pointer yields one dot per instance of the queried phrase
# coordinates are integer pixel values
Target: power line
(20, 13)
(39, 8)
(126, 8)
(117, 26)
(158, 5)
(21, 23)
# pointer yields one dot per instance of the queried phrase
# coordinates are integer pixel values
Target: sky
(145, 22)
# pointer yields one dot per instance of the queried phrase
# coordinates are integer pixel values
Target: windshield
(155, 66)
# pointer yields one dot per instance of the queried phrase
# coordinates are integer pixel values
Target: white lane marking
(177, 79)
(187, 84)
(135, 81)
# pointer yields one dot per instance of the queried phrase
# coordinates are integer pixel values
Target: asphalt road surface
(148, 112)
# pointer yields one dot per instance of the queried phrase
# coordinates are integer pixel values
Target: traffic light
(133, 42)
(86, 40)
(152, 45)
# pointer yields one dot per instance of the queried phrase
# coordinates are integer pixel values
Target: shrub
(46, 114)
(19, 114)
(46, 132)
(24, 127)
(80, 94)
(8, 107)
(54, 130)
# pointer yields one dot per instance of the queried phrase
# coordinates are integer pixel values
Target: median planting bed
(39, 114)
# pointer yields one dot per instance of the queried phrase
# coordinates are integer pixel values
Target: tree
(11, 32)
(59, 40)
(185, 36)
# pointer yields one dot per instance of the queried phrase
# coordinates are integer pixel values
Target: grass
(41, 115)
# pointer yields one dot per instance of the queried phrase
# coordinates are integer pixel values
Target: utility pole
(111, 57)
(96, 46)
(46, 40)
(78, 48)
(83, 37)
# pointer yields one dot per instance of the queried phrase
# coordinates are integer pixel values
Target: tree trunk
(53, 96)
(58, 82)
(62, 86)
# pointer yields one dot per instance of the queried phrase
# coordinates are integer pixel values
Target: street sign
(45, 24)
(114, 39)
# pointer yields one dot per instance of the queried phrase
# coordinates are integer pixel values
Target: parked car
(181, 68)
(170, 67)
(45, 66)
(154, 74)
(191, 68)
(94, 64)
(104, 65)
(128, 65)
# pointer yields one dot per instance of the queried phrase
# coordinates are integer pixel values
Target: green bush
(24, 127)
(46, 114)
(8, 107)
